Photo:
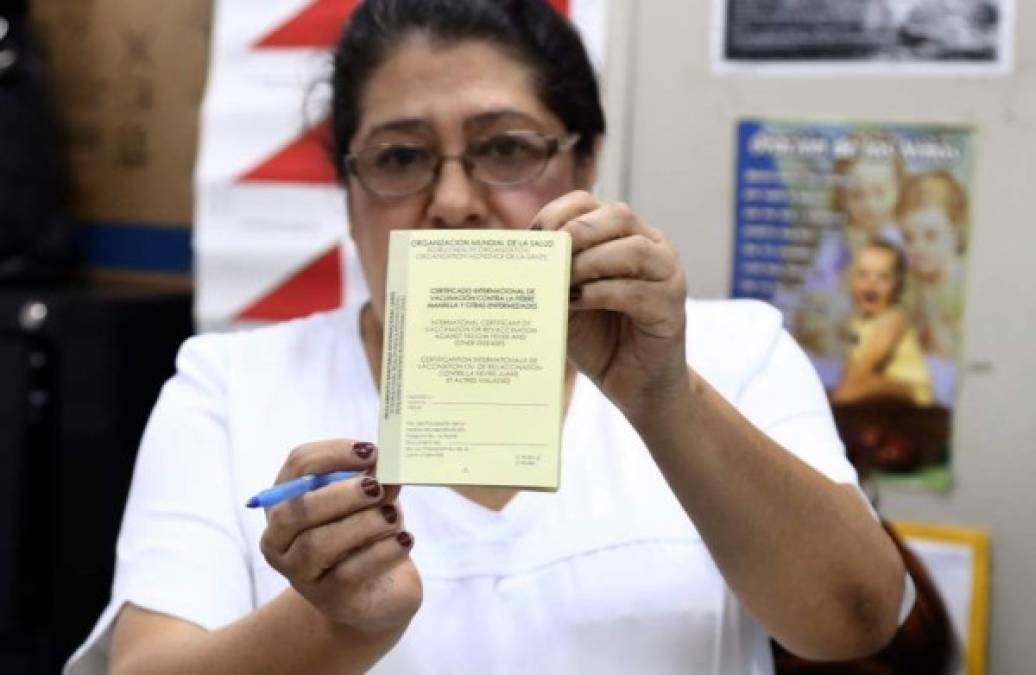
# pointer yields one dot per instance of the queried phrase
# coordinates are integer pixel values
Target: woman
(668, 489)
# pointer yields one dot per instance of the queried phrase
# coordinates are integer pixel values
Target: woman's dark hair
(530, 30)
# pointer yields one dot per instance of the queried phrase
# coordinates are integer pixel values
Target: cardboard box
(128, 79)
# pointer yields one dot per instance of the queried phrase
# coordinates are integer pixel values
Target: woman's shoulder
(260, 339)
(729, 341)
(288, 344)
(733, 323)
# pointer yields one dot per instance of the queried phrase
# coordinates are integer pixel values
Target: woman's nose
(457, 200)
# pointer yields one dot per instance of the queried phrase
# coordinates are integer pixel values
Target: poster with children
(859, 234)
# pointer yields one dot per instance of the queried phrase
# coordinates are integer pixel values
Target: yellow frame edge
(978, 541)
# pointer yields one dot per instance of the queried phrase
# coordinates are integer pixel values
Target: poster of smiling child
(859, 234)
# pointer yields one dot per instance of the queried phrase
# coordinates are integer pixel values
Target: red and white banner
(270, 237)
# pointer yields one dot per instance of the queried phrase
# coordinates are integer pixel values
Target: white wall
(680, 159)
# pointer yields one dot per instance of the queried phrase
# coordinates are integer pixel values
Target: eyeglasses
(507, 159)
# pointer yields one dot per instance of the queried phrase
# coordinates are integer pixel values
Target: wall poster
(858, 233)
(906, 37)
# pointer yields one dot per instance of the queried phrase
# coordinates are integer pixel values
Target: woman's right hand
(343, 546)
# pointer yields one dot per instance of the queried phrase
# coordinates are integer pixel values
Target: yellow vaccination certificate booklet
(473, 360)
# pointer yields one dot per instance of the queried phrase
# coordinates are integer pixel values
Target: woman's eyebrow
(475, 122)
(492, 116)
(405, 124)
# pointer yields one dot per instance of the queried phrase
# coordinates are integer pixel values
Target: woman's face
(871, 195)
(443, 98)
(930, 240)
(873, 280)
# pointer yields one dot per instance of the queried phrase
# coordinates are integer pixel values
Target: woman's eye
(398, 157)
(504, 147)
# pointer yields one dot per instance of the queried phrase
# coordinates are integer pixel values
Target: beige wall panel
(681, 166)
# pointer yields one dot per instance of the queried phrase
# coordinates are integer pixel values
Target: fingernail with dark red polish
(370, 487)
(405, 540)
(575, 293)
(364, 450)
(390, 513)
(536, 226)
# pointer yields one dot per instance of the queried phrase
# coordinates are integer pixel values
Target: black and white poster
(886, 37)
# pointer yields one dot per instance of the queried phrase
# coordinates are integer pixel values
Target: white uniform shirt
(608, 575)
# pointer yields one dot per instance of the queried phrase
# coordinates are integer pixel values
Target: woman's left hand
(626, 320)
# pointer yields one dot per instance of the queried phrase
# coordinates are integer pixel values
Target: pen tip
(252, 503)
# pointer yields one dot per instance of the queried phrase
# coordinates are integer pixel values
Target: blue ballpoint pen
(293, 488)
